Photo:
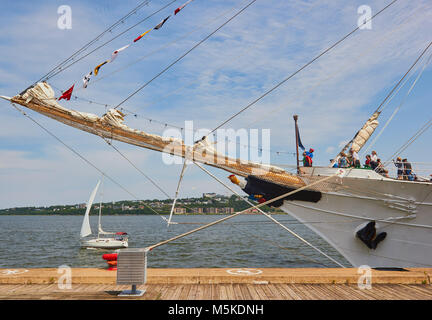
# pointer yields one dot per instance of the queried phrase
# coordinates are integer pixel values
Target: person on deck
(343, 161)
(310, 155)
(307, 160)
(335, 162)
(380, 168)
(407, 170)
(367, 162)
(374, 160)
(355, 159)
(399, 165)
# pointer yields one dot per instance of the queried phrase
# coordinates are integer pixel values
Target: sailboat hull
(104, 243)
(401, 209)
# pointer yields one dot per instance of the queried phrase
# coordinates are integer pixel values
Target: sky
(267, 42)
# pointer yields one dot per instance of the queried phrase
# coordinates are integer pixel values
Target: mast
(297, 146)
(100, 209)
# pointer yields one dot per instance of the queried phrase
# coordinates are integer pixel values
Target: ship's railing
(421, 171)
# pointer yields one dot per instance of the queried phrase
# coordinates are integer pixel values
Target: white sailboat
(120, 239)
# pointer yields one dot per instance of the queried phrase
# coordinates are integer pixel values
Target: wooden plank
(169, 294)
(230, 292)
(185, 292)
(252, 291)
(352, 291)
(269, 293)
(215, 292)
(163, 291)
(277, 294)
(206, 295)
(238, 294)
(261, 292)
(290, 293)
(193, 292)
(153, 292)
(319, 292)
(300, 290)
(398, 292)
(223, 291)
(200, 292)
(419, 291)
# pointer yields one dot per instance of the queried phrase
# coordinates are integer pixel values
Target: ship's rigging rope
(167, 124)
(83, 158)
(362, 53)
(389, 95)
(120, 34)
(368, 49)
(196, 29)
(299, 70)
(138, 169)
(422, 130)
(381, 106)
(269, 216)
(58, 68)
(186, 53)
(149, 248)
(399, 106)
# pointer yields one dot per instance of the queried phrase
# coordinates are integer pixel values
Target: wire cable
(298, 70)
(82, 49)
(186, 53)
(104, 44)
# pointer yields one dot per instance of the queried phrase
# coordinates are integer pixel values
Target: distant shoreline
(210, 204)
(136, 214)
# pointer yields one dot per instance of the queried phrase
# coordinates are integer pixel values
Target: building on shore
(179, 210)
(209, 195)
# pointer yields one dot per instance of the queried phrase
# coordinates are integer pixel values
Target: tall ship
(369, 218)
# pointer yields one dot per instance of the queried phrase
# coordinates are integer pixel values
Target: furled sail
(365, 132)
(362, 136)
(41, 99)
(85, 227)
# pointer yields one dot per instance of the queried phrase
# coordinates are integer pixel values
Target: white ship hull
(402, 209)
(104, 243)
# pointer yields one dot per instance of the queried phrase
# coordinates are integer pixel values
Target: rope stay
(378, 111)
(362, 53)
(86, 46)
(399, 106)
(139, 170)
(299, 70)
(205, 24)
(186, 53)
(149, 248)
(416, 135)
(177, 191)
(83, 158)
(112, 39)
(268, 215)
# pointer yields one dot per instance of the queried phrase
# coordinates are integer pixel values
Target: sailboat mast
(100, 208)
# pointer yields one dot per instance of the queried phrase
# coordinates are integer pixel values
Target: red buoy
(110, 256)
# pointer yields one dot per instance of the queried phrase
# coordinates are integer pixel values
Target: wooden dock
(220, 284)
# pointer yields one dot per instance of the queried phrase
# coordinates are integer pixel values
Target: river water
(246, 241)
